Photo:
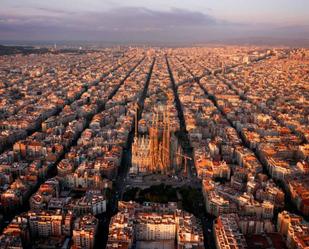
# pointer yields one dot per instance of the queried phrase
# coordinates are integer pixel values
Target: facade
(93, 202)
(84, 231)
(153, 225)
(294, 229)
(227, 233)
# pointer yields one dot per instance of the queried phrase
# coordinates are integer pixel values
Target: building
(93, 202)
(154, 225)
(295, 230)
(84, 232)
(227, 233)
(46, 224)
(159, 151)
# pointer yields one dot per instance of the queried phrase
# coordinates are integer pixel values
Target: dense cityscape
(148, 147)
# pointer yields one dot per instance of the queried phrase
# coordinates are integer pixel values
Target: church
(157, 151)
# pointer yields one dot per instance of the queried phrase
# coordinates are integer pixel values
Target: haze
(154, 21)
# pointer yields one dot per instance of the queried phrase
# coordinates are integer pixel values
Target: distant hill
(8, 50)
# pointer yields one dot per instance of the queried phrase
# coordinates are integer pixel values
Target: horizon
(156, 22)
(245, 42)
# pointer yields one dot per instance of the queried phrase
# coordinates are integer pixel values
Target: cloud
(143, 18)
(53, 11)
(129, 24)
(124, 19)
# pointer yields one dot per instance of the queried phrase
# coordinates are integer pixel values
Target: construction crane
(185, 157)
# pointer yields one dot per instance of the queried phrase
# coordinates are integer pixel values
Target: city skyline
(154, 124)
(130, 147)
(159, 21)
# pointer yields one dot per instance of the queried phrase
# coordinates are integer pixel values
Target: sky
(154, 20)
